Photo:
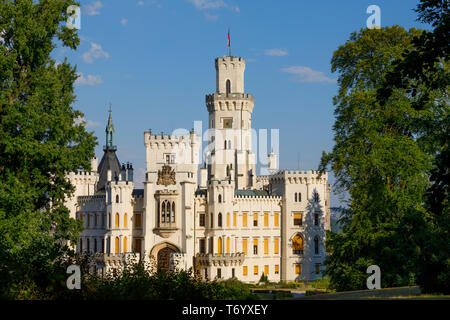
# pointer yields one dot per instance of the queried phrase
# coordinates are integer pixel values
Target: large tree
(380, 159)
(426, 63)
(40, 141)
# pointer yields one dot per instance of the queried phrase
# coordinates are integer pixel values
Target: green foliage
(39, 143)
(382, 158)
(264, 279)
(139, 282)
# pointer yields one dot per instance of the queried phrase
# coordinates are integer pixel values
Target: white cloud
(211, 17)
(87, 123)
(92, 9)
(237, 9)
(95, 52)
(89, 80)
(276, 52)
(306, 74)
(140, 3)
(208, 4)
(123, 21)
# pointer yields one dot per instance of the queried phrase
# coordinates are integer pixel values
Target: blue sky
(153, 60)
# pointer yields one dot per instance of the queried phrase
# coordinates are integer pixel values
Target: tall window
(295, 197)
(266, 219)
(219, 220)
(234, 219)
(255, 219)
(277, 269)
(202, 220)
(316, 197)
(125, 220)
(228, 86)
(244, 246)
(124, 244)
(255, 246)
(116, 220)
(88, 220)
(276, 219)
(316, 245)
(220, 198)
(228, 219)
(255, 270)
(297, 244)
(138, 220)
(88, 245)
(95, 245)
(298, 218)
(228, 245)
(167, 212)
(244, 219)
(202, 246)
(138, 246)
(298, 269)
(275, 249)
(219, 245)
(244, 270)
(266, 246)
(117, 198)
(316, 218)
(266, 270)
(116, 242)
(211, 219)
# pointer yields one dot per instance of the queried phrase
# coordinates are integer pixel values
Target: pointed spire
(109, 131)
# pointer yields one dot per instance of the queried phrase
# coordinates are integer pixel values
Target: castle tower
(230, 113)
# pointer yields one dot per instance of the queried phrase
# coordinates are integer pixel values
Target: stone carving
(166, 176)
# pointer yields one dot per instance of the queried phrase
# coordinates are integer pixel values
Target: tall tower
(230, 113)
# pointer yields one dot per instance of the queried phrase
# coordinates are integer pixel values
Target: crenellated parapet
(299, 177)
(230, 102)
(91, 199)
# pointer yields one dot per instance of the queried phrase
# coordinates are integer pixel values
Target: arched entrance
(162, 252)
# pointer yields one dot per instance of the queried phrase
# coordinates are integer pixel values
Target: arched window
(211, 218)
(117, 220)
(219, 245)
(297, 244)
(225, 144)
(316, 196)
(125, 220)
(173, 211)
(296, 197)
(163, 212)
(117, 198)
(229, 144)
(95, 245)
(299, 197)
(228, 245)
(124, 244)
(220, 198)
(219, 222)
(116, 249)
(168, 211)
(228, 85)
(316, 245)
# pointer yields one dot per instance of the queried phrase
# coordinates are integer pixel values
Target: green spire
(109, 132)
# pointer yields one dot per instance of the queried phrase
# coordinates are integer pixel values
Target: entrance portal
(164, 258)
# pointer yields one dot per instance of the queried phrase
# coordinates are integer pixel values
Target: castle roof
(109, 162)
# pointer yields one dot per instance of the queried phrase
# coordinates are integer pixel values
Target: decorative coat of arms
(166, 176)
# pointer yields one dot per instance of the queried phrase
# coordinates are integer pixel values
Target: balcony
(226, 259)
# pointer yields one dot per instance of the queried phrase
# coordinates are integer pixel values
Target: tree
(380, 161)
(427, 63)
(40, 141)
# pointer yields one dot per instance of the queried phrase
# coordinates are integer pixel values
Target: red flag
(229, 42)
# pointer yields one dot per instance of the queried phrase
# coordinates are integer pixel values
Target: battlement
(83, 173)
(229, 59)
(170, 139)
(230, 101)
(96, 198)
(256, 197)
(299, 176)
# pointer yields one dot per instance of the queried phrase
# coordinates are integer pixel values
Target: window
(244, 246)
(228, 245)
(234, 219)
(88, 220)
(211, 218)
(138, 220)
(317, 268)
(202, 246)
(266, 219)
(137, 246)
(228, 219)
(124, 244)
(275, 249)
(255, 246)
(295, 197)
(202, 220)
(95, 220)
(219, 273)
(125, 220)
(227, 124)
(255, 219)
(117, 220)
(266, 270)
(316, 245)
(167, 212)
(276, 219)
(316, 197)
(266, 246)
(87, 244)
(316, 218)
(117, 198)
(228, 86)
(277, 269)
(244, 219)
(103, 220)
(219, 220)
(116, 242)
(95, 245)
(255, 270)
(299, 197)
(219, 245)
(298, 218)
(220, 198)
(244, 270)
(211, 245)
(297, 244)
(233, 274)
(298, 269)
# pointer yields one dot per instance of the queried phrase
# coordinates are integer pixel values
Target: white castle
(225, 223)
